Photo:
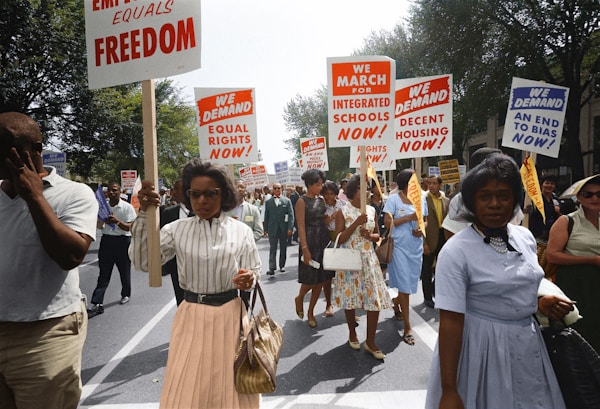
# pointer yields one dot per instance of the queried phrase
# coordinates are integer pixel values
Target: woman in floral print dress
(363, 289)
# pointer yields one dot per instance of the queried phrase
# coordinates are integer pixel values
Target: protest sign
(128, 178)
(282, 173)
(449, 171)
(226, 125)
(535, 117)
(378, 155)
(314, 153)
(413, 193)
(360, 100)
(56, 159)
(134, 41)
(531, 184)
(296, 176)
(423, 117)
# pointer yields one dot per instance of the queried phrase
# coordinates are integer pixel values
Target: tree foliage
(484, 43)
(43, 73)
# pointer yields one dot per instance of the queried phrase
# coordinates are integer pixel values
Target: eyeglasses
(208, 193)
(588, 195)
(276, 188)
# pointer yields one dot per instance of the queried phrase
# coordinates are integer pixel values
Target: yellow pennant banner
(414, 195)
(532, 185)
(373, 175)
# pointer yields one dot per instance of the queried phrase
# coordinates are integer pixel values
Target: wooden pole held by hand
(151, 174)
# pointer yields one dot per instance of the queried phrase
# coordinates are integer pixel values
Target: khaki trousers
(40, 362)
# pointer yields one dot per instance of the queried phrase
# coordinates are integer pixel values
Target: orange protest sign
(414, 195)
(532, 185)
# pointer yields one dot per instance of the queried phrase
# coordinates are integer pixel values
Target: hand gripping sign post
(138, 41)
(361, 105)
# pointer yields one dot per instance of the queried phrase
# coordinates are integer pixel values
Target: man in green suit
(279, 225)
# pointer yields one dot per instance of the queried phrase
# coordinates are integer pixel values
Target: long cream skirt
(200, 365)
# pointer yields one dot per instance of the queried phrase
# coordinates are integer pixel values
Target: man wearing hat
(551, 208)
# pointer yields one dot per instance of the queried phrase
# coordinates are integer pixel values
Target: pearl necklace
(495, 243)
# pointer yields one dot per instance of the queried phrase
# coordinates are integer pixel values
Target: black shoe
(270, 272)
(429, 304)
(96, 309)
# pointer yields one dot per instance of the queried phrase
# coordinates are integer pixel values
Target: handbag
(549, 268)
(341, 259)
(255, 363)
(385, 250)
(576, 365)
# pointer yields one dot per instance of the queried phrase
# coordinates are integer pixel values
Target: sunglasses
(197, 194)
(588, 195)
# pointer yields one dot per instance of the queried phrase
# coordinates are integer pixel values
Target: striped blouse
(208, 255)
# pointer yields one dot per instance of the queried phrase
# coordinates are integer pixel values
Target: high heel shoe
(397, 312)
(299, 312)
(376, 354)
(312, 322)
(355, 345)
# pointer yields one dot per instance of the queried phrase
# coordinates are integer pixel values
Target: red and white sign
(314, 153)
(128, 178)
(255, 176)
(423, 117)
(226, 125)
(360, 100)
(379, 155)
(129, 41)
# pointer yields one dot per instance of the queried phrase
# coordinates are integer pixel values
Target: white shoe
(124, 300)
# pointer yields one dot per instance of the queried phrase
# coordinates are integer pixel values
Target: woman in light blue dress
(405, 267)
(490, 351)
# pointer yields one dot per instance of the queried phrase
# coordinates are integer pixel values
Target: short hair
(403, 177)
(198, 167)
(438, 178)
(550, 177)
(480, 154)
(312, 176)
(330, 186)
(352, 186)
(501, 168)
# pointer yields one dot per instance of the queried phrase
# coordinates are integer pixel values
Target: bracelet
(304, 247)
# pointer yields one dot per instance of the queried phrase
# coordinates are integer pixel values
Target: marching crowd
(477, 263)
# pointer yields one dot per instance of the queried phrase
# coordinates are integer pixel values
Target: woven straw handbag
(255, 363)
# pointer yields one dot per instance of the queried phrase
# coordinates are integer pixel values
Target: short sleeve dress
(361, 289)
(317, 238)
(405, 268)
(503, 362)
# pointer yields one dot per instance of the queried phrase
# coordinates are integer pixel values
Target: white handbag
(341, 259)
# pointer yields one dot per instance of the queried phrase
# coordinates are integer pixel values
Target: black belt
(210, 299)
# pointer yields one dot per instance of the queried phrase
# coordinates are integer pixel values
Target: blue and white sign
(535, 117)
(57, 160)
(281, 172)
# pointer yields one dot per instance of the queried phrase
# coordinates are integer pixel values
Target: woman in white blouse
(217, 257)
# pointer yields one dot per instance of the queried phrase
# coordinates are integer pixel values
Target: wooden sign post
(151, 174)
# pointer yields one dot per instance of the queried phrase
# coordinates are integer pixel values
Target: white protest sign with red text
(314, 153)
(129, 41)
(535, 117)
(360, 100)
(423, 117)
(226, 125)
(378, 155)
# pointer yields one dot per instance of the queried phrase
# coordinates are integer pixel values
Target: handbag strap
(387, 233)
(258, 290)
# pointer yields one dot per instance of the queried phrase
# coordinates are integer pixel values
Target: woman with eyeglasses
(217, 257)
(577, 251)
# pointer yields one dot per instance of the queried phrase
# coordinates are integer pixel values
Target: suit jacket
(169, 214)
(250, 217)
(276, 221)
(432, 231)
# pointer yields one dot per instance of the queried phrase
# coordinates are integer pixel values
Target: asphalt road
(126, 349)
